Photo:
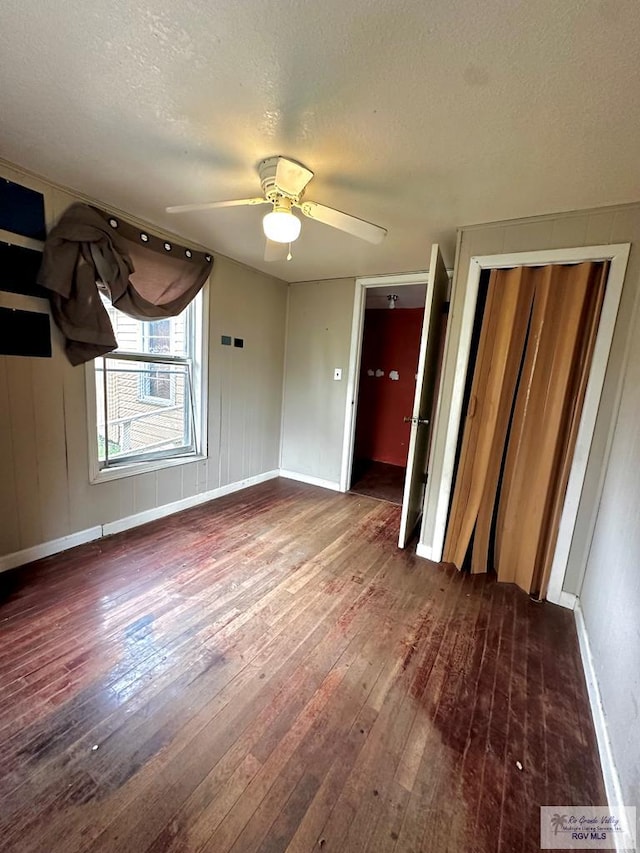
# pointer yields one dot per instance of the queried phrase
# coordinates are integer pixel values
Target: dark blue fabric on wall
(19, 270)
(26, 333)
(21, 210)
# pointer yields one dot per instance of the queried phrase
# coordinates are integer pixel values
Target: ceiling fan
(283, 184)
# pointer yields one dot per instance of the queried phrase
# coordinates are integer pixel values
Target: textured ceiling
(417, 116)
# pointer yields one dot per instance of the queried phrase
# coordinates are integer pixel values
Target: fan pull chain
(289, 255)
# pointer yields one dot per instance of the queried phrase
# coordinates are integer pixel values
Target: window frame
(163, 459)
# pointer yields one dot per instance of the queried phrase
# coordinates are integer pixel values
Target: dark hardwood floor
(267, 673)
(378, 480)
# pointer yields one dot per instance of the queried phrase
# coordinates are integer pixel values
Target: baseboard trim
(566, 599)
(55, 546)
(609, 771)
(46, 549)
(185, 503)
(312, 481)
(424, 551)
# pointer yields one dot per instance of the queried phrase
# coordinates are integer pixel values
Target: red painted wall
(391, 341)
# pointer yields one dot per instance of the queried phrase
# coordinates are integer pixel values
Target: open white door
(418, 456)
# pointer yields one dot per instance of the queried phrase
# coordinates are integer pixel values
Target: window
(148, 393)
(156, 386)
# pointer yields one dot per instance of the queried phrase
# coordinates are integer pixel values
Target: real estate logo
(587, 828)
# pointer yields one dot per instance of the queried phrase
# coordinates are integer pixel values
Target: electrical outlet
(337, 373)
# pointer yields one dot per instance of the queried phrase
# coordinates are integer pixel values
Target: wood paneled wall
(45, 492)
(318, 340)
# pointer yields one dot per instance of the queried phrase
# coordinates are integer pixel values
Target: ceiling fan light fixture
(281, 226)
(284, 184)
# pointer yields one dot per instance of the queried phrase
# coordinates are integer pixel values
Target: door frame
(448, 420)
(355, 354)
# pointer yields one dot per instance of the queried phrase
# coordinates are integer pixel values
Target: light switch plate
(337, 373)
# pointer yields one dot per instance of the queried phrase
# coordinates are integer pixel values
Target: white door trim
(353, 372)
(449, 422)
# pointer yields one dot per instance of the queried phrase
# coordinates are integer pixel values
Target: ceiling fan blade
(343, 221)
(292, 177)
(210, 205)
(275, 251)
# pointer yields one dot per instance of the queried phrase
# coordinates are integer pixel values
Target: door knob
(416, 421)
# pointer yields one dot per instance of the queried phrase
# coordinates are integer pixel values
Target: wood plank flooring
(269, 673)
(378, 480)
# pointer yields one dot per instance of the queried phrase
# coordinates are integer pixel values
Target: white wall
(318, 340)
(610, 595)
(45, 492)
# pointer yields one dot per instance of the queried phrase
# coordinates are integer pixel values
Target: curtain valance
(145, 276)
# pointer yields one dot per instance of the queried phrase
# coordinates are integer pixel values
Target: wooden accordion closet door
(534, 354)
(500, 347)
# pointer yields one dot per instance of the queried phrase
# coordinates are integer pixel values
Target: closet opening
(531, 353)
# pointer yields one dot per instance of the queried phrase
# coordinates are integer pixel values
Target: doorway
(426, 387)
(388, 363)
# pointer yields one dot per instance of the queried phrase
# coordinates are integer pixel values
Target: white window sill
(130, 469)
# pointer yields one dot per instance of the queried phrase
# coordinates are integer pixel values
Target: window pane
(169, 336)
(157, 385)
(156, 337)
(148, 409)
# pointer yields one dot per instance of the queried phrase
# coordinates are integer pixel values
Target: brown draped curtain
(145, 276)
(529, 380)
